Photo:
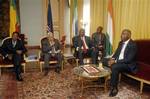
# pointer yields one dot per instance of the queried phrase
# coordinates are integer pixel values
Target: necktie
(84, 46)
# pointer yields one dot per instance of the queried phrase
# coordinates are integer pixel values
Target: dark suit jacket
(46, 47)
(97, 38)
(77, 42)
(7, 47)
(129, 55)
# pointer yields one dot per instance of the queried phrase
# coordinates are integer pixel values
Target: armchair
(7, 63)
(41, 59)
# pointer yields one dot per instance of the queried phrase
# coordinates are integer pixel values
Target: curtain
(79, 14)
(130, 14)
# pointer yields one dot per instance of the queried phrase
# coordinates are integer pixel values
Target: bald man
(98, 44)
(82, 44)
(123, 60)
(51, 48)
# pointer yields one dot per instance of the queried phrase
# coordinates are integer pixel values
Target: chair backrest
(4, 40)
(41, 41)
(143, 51)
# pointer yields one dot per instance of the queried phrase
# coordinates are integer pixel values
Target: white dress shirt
(14, 43)
(121, 56)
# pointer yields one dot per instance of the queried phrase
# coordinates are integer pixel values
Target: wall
(31, 20)
(33, 15)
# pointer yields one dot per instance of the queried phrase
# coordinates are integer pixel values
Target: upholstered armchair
(41, 59)
(5, 63)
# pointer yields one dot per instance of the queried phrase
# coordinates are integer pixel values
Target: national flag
(110, 29)
(49, 18)
(14, 18)
(75, 19)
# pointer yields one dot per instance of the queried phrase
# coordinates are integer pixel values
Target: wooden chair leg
(40, 64)
(62, 65)
(24, 68)
(141, 87)
(0, 71)
(77, 62)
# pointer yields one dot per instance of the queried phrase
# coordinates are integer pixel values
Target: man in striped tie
(81, 43)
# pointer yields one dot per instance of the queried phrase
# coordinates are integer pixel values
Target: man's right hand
(10, 57)
(19, 52)
(111, 61)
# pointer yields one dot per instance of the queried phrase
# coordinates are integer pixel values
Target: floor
(11, 89)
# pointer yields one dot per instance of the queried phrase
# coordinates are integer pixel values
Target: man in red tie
(81, 43)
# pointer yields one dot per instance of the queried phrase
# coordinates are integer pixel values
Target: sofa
(143, 62)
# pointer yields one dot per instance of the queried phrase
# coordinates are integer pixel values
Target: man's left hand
(19, 52)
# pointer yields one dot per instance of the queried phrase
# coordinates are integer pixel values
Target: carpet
(9, 87)
(66, 86)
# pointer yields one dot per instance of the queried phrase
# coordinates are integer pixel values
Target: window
(86, 17)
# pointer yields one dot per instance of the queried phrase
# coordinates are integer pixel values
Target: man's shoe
(19, 78)
(46, 73)
(113, 92)
(57, 70)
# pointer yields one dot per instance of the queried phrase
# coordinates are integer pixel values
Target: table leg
(82, 85)
(105, 84)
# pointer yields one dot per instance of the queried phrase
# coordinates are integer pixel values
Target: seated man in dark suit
(81, 43)
(13, 49)
(123, 60)
(98, 45)
(1, 51)
(51, 48)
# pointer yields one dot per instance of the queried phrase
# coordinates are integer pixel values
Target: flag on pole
(49, 18)
(14, 18)
(110, 29)
(75, 18)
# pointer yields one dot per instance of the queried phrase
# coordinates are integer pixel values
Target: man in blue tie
(123, 60)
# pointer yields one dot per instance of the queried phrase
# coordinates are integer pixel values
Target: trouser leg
(80, 55)
(46, 61)
(17, 63)
(94, 56)
(59, 58)
(116, 69)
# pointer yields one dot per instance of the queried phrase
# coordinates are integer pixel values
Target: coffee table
(86, 77)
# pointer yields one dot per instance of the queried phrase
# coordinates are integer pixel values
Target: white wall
(31, 20)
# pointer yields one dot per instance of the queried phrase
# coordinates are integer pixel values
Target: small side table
(85, 77)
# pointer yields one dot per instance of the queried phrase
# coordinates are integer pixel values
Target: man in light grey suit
(51, 49)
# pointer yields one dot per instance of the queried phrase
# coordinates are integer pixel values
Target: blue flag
(49, 18)
(75, 19)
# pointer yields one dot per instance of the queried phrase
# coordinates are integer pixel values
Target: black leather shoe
(57, 70)
(19, 78)
(113, 92)
(46, 73)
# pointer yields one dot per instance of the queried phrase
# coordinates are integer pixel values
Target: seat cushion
(52, 59)
(143, 72)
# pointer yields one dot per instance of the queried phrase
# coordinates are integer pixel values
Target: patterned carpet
(62, 86)
(66, 86)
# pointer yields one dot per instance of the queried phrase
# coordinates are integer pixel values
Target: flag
(49, 18)
(110, 29)
(14, 18)
(75, 18)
